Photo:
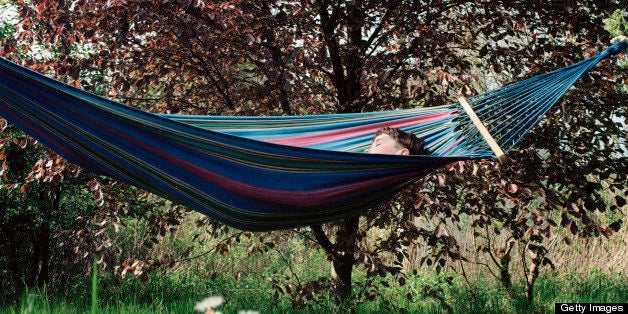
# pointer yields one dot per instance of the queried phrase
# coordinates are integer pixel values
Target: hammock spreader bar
(267, 173)
(499, 153)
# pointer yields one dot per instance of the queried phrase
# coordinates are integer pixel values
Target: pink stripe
(335, 135)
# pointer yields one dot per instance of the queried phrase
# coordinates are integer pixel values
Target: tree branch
(380, 26)
(323, 240)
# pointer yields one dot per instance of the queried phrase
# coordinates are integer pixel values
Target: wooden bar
(483, 131)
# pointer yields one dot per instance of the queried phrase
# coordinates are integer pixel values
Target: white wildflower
(209, 304)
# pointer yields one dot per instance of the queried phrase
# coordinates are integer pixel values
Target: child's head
(394, 141)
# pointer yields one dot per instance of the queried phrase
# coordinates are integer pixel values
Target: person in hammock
(394, 141)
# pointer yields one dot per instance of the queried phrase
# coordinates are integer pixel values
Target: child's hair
(415, 145)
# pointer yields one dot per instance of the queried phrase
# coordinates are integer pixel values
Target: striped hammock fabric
(267, 173)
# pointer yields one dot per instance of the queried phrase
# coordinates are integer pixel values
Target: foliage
(6, 27)
(301, 57)
(617, 23)
(49, 218)
(26, 211)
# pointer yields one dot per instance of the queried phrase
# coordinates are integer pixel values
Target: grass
(178, 294)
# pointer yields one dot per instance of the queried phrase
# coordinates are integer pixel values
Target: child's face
(385, 144)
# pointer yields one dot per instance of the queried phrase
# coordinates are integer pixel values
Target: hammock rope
(513, 110)
(267, 173)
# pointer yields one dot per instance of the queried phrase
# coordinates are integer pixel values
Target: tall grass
(95, 288)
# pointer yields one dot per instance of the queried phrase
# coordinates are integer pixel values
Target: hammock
(266, 173)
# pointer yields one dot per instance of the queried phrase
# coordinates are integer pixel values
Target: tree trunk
(41, 256)
(343, 261)
(341, 276)
(41, 248)
(533, 273)
(504, 265)
(342, 254)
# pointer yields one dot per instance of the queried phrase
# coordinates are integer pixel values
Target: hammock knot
(620, 44)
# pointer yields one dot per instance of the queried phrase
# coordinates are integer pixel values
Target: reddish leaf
(615, 226)
(565, 221)
(620, 201)
(573, 228)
